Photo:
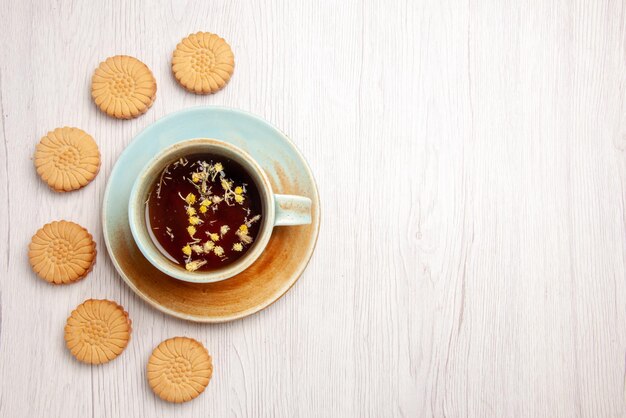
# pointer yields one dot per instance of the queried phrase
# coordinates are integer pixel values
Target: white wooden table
(471, 160)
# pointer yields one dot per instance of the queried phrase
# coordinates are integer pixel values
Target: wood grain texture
(471, 160)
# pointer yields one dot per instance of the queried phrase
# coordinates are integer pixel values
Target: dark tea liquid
(204, 212)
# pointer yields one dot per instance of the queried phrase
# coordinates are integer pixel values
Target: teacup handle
(292, 210)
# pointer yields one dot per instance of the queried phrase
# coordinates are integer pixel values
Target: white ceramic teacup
(277, 209)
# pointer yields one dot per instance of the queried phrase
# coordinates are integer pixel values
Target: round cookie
(62, 252)
(97, 331)
(67, 159)
(179, 369)
(123, 87)
(203, 63)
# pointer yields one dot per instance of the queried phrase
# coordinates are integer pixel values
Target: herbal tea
(203, 212)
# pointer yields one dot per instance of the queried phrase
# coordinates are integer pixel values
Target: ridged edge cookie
(62, 252)
(67, 159)
(203, 63)
(123, 87)
(97, 331)
(179, 369)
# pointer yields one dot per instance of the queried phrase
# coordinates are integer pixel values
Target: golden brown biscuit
(62, 252)
(179, 369)
(203, 63)
(123, 87)
(67, 159)
(97, 331)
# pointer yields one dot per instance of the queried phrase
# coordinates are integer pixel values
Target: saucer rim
(226, 318)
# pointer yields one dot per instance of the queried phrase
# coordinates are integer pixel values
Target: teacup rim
(156, 258)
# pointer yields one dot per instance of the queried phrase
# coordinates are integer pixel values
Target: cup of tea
(203, 210)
